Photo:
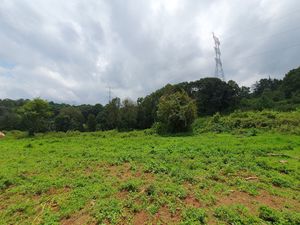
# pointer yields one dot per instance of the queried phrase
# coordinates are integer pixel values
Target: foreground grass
(135, 178)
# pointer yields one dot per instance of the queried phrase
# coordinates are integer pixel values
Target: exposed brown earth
(140, 218)
(79, 218)
(192, 201)
(164, 216)
(253, 202)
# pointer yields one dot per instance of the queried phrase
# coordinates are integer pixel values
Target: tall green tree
(91, 122)
(176, 111)
(109, 117)
(212, 95)
(291, 83)
(10, 121)
(69, 118)
(147, 107)
(265, 85)
(128, 115)
(34, 115)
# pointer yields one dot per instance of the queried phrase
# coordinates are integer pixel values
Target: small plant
(153, 208)
(208, 199)
(156, 167)
(28, 145)
(171, 189)
(5, 183)
(150, 190)
(268, 214)
(194, 216)
(280, 182)
(130, 186)
(236, 214)
(252, 132)
(109, 210)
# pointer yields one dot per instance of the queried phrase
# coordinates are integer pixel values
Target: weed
(276, 217)
(280, 182)
(269, 215)
(108, 210)
(237, 214)
(194, 216)
(150, 190)
(28, 145)
(174, 190)
(131, 186)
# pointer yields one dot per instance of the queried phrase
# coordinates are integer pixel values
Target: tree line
(172, 107)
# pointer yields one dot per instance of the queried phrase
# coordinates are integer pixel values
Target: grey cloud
(72, 51)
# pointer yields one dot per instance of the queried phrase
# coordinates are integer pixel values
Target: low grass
(142, 178)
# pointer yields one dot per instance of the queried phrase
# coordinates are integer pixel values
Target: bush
(17, 134)
(176, 112)
(287, 122)
(160, 128)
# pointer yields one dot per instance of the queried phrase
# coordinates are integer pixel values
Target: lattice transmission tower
(219, 72)
(109, 94)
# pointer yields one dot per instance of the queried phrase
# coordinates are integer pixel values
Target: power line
(272, 50)
(277, 49)
(275, 34)
(264, 23)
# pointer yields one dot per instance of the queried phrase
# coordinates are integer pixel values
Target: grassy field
(139, 178)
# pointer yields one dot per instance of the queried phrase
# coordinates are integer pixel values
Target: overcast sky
(72, 51)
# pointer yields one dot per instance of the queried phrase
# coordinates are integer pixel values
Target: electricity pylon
(219, 72)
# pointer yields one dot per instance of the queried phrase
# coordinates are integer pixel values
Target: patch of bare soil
(192, 201)
(253, 202)
(79, 218)
(164, 216)
(57, 191)
(140, 218)
(122, 195)
(90, 169)
(123, 172)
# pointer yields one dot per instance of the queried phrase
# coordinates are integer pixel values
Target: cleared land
(139, 178)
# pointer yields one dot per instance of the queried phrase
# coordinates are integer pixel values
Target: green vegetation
(176, 112)
(35, 114)
(237, 163)
(211, 96)
(250, 122)
(139, 177)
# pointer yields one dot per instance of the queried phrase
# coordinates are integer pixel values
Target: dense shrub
(176, 112)
(287, 122)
